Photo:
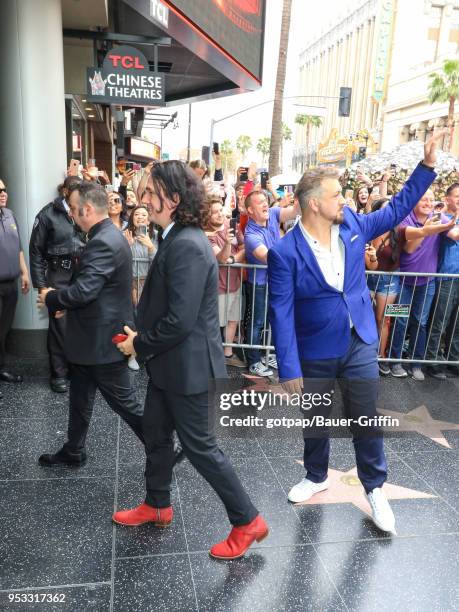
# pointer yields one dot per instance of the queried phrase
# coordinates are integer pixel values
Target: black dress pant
(189, 416)
(8, 301)
(58, 365)
(114, 382)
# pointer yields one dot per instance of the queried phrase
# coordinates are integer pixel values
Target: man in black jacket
(97, 306)
(55, 245)
(179, 339)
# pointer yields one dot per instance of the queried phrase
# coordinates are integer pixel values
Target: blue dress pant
(358, 377)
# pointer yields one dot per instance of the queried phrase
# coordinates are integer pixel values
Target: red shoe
(241, 539)
(160, 517)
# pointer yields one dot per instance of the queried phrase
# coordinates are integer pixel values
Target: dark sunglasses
(3, 190)
(115, 201)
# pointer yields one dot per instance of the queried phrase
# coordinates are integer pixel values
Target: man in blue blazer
(322, 319)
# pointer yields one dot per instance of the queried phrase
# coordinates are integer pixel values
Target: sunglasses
(3, 190)
(115, 201)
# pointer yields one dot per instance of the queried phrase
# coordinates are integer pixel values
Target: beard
(339, 218)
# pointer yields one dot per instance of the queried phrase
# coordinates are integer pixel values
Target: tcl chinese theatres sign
(125, 78)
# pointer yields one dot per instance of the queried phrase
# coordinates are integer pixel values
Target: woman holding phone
(142, 239)
(143, 243)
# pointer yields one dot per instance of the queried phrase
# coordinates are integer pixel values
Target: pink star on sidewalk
(420, 421)
(345, 487)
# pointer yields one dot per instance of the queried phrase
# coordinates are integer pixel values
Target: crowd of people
(132, 272)
(242, 222)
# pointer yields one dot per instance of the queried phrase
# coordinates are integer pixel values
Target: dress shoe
(454, 370)
(58, 385)
(62, 457)
(160, 517)
(240, 539)
(10, 378)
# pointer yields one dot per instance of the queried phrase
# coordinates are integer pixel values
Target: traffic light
(344, 107)
(362, 153)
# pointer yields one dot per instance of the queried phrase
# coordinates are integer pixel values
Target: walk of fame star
(346, 488)
(420, 421)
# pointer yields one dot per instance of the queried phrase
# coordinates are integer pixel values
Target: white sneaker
(417, 373)
(382, 514)
(305, 489)
(398, 371)
(271, 363)
(132, 364)
(258, 369)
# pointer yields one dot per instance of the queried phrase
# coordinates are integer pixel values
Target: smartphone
(264, 178)
(91, 162)
(216, 148)
(142, 230)
(244, 173)
(109, 188)
(129, 166)
(436, 217)
(74, 166)
(375, 190)
(233, 225)
(136, 167)
(119, 338)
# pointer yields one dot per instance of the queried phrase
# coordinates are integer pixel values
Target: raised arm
(377, 223)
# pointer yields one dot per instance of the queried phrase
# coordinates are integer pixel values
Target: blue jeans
(358, 377)
(255, 323)
(420, 298)
(444, 317)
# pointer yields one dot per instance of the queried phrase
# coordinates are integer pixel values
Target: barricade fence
(417, 314)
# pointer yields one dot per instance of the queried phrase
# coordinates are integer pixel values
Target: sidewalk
(56, 534)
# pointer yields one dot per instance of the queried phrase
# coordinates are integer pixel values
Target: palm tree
(444, 87)
(286, 135)
(308, 121)
(226, 150)
(276, 125)
(264, 147)
(243, 144)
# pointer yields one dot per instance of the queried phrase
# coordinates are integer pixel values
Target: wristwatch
(230, 259)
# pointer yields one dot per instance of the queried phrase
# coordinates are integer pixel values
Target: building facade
(344, 56)
(418, 52)
(385, 51)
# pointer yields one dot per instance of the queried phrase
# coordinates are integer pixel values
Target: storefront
(189, 51)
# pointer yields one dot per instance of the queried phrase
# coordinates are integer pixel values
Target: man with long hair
(179, 339)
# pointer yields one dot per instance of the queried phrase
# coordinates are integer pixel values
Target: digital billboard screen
(235, 25)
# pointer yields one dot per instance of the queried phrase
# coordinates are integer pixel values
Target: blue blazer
(309, 318)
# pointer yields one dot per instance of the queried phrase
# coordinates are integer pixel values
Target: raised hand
(430, 148)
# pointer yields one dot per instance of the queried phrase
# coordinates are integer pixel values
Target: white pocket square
(354, 237)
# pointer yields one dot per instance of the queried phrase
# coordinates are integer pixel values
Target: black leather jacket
(54, 235)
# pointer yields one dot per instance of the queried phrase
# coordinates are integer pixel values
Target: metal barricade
(417, 315)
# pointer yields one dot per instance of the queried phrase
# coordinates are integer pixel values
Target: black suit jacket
(99, 300)
(177, 315)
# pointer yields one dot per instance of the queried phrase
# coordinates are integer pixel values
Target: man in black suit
(179, 339)
(97, 305)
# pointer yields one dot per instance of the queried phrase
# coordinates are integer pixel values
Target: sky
(309, 18)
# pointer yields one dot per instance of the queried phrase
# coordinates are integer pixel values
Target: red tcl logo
(126, 61)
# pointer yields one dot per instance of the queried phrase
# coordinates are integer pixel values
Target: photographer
(228, 248)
